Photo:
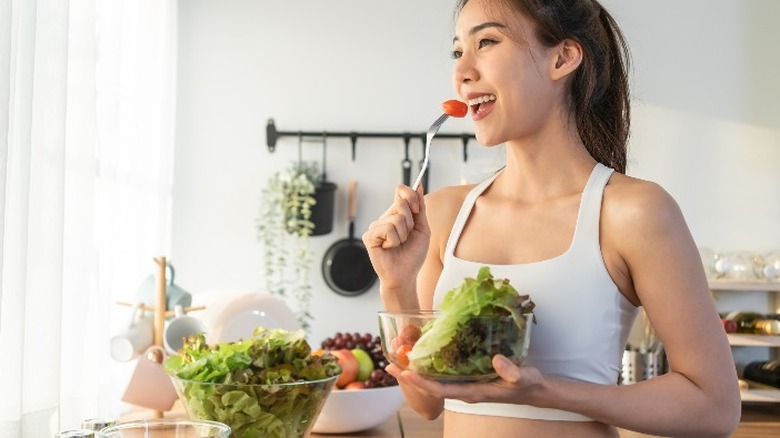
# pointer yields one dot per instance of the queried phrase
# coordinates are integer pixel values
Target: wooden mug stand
(160, 312)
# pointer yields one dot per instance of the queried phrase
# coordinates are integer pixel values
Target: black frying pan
(346, 266)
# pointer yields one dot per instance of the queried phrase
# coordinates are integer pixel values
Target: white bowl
(353, 410)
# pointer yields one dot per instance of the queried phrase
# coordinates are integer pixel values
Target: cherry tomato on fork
(455, 108)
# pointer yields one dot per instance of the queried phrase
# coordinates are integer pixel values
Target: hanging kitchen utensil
(346, 267)
(406, 163)
(324, 195)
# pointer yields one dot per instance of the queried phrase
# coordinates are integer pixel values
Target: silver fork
(428, 137)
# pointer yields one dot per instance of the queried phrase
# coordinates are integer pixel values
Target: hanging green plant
(284, 228)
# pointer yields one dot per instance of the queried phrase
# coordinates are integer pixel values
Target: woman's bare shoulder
(633, 205)
(635, 194)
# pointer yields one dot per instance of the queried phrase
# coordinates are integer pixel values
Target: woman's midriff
(458, 425)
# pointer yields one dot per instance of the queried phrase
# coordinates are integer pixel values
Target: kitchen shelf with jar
(756, 393)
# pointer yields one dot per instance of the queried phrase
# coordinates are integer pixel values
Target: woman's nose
(464, 71)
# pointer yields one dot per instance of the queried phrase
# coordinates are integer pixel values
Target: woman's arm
(700, 395)
(395, 242)
(433, 215)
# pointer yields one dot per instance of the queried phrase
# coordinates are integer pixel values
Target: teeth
(482, 99)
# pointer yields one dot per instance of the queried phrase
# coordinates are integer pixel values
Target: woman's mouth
(480, 106)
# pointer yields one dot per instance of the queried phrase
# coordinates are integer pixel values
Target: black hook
(324, 154)
(465, 139)
(300, 148)
(406, 164)
(353, 138)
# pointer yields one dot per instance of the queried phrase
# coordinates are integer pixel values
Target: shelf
(731, 285)
(742, 340)
(761, 395)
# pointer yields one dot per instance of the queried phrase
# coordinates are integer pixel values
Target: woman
(549, 80)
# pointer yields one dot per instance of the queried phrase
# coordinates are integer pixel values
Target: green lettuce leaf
(454, 342)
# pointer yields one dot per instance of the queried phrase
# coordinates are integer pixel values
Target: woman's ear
(568, 56)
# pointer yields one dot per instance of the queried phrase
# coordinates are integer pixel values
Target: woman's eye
(456, 54)
(486, 42)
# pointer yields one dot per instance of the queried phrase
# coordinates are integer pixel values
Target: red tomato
(455, 108)
(409, 334)
(402, 355)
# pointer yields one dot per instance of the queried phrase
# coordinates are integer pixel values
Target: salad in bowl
(480, 318)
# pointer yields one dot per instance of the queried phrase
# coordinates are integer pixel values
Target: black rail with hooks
(273, 134)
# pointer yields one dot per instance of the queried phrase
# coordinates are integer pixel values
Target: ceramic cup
(174, 295)
(180, 327)
(136, 339)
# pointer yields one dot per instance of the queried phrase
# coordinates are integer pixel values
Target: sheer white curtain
(86, 143)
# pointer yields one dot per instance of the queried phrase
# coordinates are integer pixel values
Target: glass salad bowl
(420, 341)
(478, 319)
(269, 385)
(166, 428)
(284, 410)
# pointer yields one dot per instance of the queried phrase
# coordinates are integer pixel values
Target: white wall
(706, 120)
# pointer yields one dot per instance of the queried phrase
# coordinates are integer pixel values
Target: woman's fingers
(506, 369)
(380, 235)
(421, 223)
(407, 202)
(396, 223)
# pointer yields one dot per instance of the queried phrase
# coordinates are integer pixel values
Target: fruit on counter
(365, 363)
(371, 361)
(455, 108)
(349, 367)
(357, 384)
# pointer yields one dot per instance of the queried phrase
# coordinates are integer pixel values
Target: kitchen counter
(759, 420)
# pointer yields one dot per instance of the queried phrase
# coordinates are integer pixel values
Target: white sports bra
(583, 319)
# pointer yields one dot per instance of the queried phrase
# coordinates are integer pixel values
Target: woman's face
(504, 80)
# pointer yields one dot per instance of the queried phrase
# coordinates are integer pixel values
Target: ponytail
(600, 96)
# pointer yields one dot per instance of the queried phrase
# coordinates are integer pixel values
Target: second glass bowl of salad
(287, 410)
(449, 349)
(269, 385)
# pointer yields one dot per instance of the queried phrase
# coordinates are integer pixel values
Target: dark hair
(598, 92)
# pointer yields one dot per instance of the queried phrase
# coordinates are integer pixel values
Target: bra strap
(465, 211)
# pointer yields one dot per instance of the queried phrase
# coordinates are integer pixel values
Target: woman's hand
(514, 385)
(398, 241)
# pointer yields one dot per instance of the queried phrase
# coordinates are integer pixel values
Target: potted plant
(296, 204)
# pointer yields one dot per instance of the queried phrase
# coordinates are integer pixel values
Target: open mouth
(481, 103)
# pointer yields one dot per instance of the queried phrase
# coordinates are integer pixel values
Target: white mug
(180, 327)
(136, 339)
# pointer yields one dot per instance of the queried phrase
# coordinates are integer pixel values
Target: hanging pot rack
(273, 134)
